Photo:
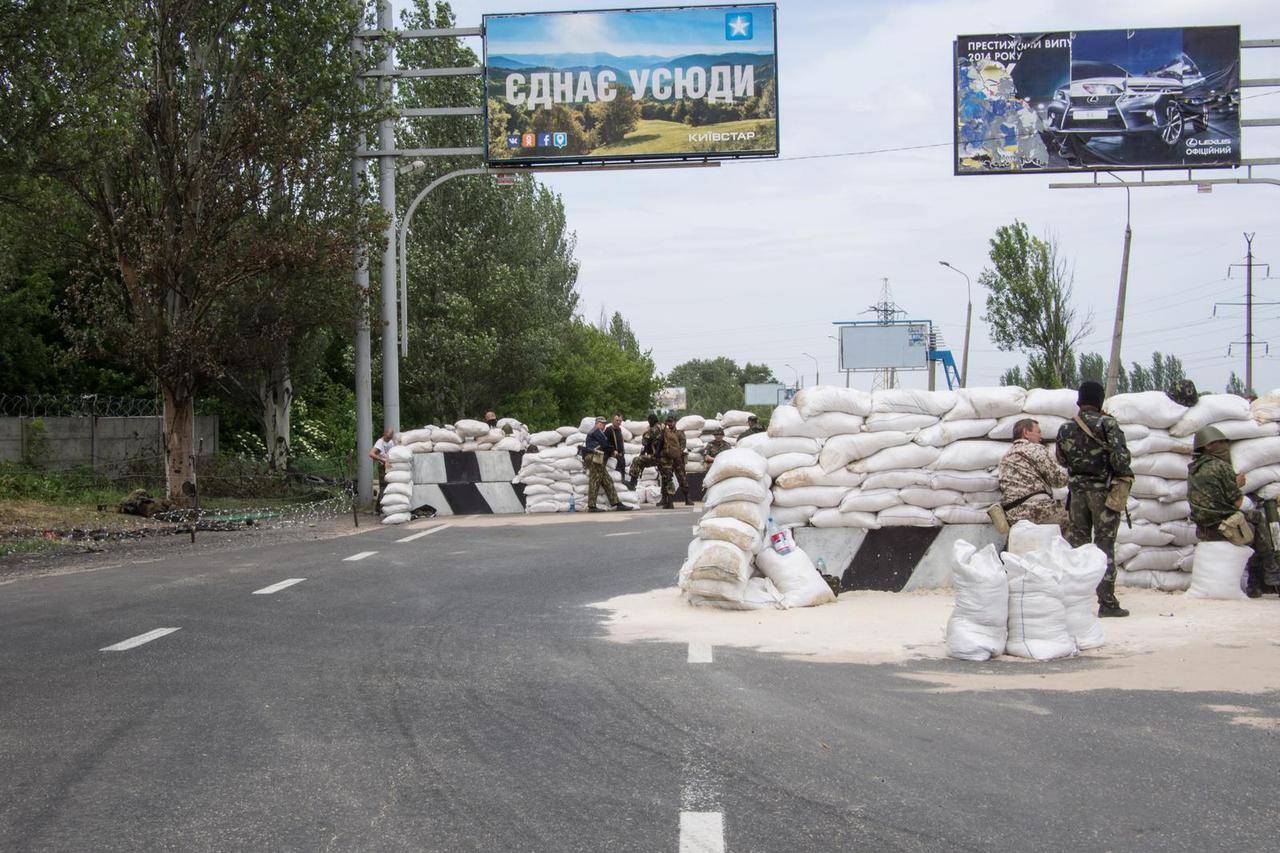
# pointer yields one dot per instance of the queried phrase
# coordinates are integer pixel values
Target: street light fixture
(968, 322)
(817, 374)
(410, 168)
(797, 373)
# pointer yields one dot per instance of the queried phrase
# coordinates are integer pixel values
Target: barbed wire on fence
(77, 405)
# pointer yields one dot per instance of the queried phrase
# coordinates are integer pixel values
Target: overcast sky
(755, 260)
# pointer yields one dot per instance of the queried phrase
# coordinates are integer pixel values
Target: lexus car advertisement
(1098, 99)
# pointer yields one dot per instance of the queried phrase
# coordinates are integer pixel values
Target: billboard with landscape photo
(675, 83)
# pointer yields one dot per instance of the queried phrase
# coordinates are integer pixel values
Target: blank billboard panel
(903, 346)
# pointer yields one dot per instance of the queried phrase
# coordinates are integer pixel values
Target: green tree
(1029, 304)
(715, 385)
(1235, 385)
(616, 118)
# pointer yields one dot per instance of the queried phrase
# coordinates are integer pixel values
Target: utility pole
(363, 354)
(387, 196)
(1117, 331)
(1248, 311)
(886, 311)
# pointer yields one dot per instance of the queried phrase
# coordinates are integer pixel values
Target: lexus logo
(1093, 99)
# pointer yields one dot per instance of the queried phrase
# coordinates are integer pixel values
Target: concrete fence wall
(101, 442)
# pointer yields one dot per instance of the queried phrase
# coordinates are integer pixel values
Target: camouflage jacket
(1091, 465)
(751, 431)
(673, 443)
(1028, 469)
(714, 448)
(651, 441)
(1211, 490)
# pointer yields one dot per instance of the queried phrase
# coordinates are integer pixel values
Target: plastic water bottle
(780, 538)
(821, 566)
(573, 503)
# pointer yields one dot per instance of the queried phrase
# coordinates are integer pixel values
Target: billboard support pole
(1117, 331)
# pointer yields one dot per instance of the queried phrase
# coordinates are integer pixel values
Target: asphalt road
(453, 693)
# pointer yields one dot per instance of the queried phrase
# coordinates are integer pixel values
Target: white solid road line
(276, 587)
(134, 642)
(701, 832)
(423, 533)
(699, 653)
(626, 533)
(359, 556)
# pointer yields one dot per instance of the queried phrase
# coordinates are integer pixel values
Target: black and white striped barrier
(467, 482)
(892, 559)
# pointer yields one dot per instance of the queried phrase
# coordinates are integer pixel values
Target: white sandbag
(909, 401)
(1159, 441)
(769, 447)
(869, 500)
(793, 516)
(754, 594)
(1158, 512)
(1238, 430)
(835, 518)
(1255, 453)
(929, 498)
(828, 424)
(1183, 532)
(636, 427)
(1163, 581)
(983, 499)
(516, 426)
(414, 436)
(978, 627)
(795, 577)
(440, 435)
(962, 514)
(533, 490)
(897, 458)
(1212, 409)
(897, 479)
(1259, 478)
(1150, 408)
(718, 560)
(1177, 491)
(1266, 408)
(1270, 492)
(469, 428)
(420, 447)
(549, 438)
(782, 463)
(1060, 402)
(551, 455)
(736, 462)
(736, 417)
(895, 422)
(1003, 430)
(820, 496)
(751, 513)
(447, 447)
(470, 446)
(1145, 486)
(710, 425)
(965, 481)
(399, 454)
(840, 450)
(754, 442)
(398, 518)
(735, 489)
(907, 516)
(1218, 570)
(543, 506)
(787, 421)
(1080, 571)
(814, 475)
(587, 424)
(691, 423)
(509, 443)
(1164, 559)
(1167, 466)
(971, 455)
(730, 530)
(1142, 533)
(574, 440)
(946, 432)
(1134, 432)
(1027, 536)
(398, 477)
(993, 402)
(493, 436)
(1037, 615)
(818, 399)
(1126, 551)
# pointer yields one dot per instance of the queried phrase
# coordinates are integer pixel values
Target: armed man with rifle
(1092, 448)
(650, 448)
(671, 461)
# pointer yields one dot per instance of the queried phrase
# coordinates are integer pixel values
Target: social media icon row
(538, 140)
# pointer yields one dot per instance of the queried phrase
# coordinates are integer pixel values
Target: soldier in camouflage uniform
(753, 427)
(1184, 393)
(1213, 490)
(671, 461)
(1094, 455)
(1028, 476)
(650, 447)
(715, 447)
(595, 455)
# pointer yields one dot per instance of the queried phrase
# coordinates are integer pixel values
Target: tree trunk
(275, 393)
(179, 445)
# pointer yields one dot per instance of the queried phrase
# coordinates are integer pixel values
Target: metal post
(1248, 315)
(817, 373)
(387, 195)
(1117, 332)
(968, 323)
(363, 343)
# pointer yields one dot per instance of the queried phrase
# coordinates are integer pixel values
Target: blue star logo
(737, 26)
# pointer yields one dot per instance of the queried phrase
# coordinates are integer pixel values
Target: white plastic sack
(751, 513)
(509, 443)
(814, 475)
(929, 498)
(907, 516)
(978, 627)
(420, 447)
(1158, 512)
(787, 421)
(820, 496)
(1168, 466)
(1218, 570)
(1145, 486)
(784, 462)
(398, 477)
(971, 455)
(834, 423)
(1150, 408)
(795, 577)
(1049, 426)
(1212, 409)
(1238, 430)
(1259, 478)
(735, 489)
(730, 530)
(718, 560)
(769, 447)
(414, 436)
(691, 423)
(1081, 570)
(1255, 453)
(840, 450)
(897, 458)
(1183, 532)
(1266, 408)
(835, 518)
(946, 432)
(793, 516)
(549, 438)
(993, 402)
(1163, 581)
(736, 462)
(962, 514)
(830, 398)
(909, 401)
(1037, 615)
(874, 500)
(897, 479)
(397, 518)
(468, 428)
(1164, 559)
(1142, 533)
(1060, 402)
(895, 422)
(965, 481)
(400, 454)
(439, 435)
(1159, 441)
(1027, 536)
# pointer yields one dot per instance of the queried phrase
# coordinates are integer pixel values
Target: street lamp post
(797, 373)
(968, 323)
(817, 373)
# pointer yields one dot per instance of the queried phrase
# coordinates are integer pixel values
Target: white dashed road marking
(699, 653)
(424, 533)
(276, 587)
(701, 832)
(627, 533)
(359, 556)
(134, 642)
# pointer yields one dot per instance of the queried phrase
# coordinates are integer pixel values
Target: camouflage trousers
(667, 468)
(1263, 568)
(644, 460)
(1091, 521)
(597, 476)
(1041, 512)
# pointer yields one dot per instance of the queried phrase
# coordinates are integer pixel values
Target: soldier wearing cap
(753, 427)
(715, 447)
(595, 453)
(1214, 492)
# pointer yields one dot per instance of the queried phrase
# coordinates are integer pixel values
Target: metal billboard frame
(924, 360)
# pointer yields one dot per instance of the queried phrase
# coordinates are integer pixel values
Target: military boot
(631, 483)
(684, 490)
(1108, 604)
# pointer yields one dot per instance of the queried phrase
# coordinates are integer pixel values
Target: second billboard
(1099, 99)
(678, 83)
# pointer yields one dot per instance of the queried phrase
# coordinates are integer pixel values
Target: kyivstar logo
(737, 26)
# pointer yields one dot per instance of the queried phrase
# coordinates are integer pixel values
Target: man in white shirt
(378, 453)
